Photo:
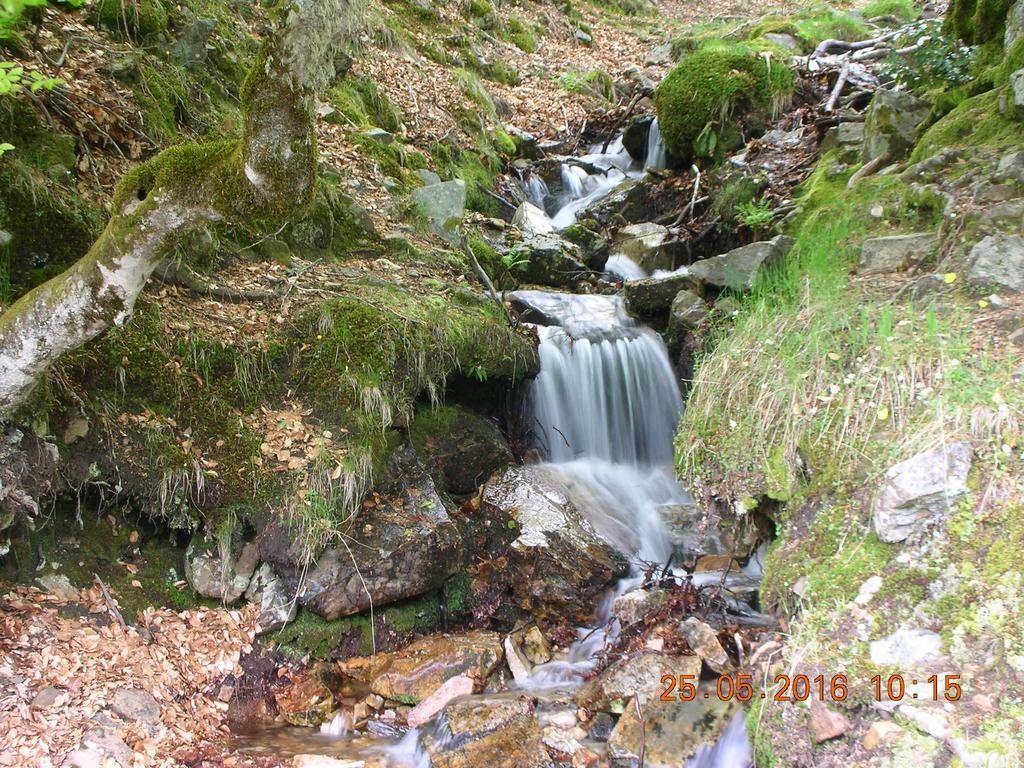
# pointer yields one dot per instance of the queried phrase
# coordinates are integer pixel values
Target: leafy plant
(933, 58)
(11, 11)
(13, 78)
(755, 214)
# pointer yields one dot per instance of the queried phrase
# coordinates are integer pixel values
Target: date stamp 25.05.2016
(796, 688)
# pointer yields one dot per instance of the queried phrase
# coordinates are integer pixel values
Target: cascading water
(657, 155)
(574, 181)
(534, 189)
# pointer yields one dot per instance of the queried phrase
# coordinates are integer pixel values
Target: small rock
(76, 429)
(890, 124)
(661, 54)
(688, 312)
(493, 732)
(931, 721)
(444, 205)
(827, 724)
(998, 261)
(58, 585)
(672, 732)
(739, 268)
(713, 563)
(220, 570)
(907, 647)
(921, 488)
(881, 732)
(322, 761)
(100, 748)
(136, 705)
(868, 590)
(45, 698)
(585, 38)
(642, 243)
(787, 41)
(532, 220)
(379, 135)
(1017, 91)
(637, 675)
(653, 295)
(895, 253)
(426, 710)
(634, 606)
(703, 641)
(516, 660)
(536, 646)
(306, 701)
(995, 193)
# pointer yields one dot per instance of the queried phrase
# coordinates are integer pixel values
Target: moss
(711, 84)
(1010, 63)
(504, 143)
(478, 169)
(134, 19)
(162, 94)
(474, 90)
(904, 10)
(595, 82)
(478, 9)
(520, 35)
(976, 21)
(976, 122)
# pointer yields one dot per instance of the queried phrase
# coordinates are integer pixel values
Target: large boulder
(1014, 25)
(634, 137)
(417, 671)
(496, 732)
(652, 296)
(532, 220)
(547, 259)
(460, 448)
(895, 253)
(921, 489)
(444, 205)
(220, 566)
(645, 245)
(687, 313)
(739, 268)
(997, 261)
(559, 565)
(890, 126)
(402, 543)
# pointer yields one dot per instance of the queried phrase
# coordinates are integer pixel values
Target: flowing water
(657, 155)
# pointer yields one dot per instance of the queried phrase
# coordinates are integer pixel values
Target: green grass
(904, 10)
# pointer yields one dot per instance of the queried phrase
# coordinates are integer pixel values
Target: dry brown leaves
(179, 658)
(291, 444)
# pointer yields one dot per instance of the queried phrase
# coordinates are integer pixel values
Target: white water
(583, 189)
(657, 155)
(624, 267)
(534, 189)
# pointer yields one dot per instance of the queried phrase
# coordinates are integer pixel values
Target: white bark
(271, 175)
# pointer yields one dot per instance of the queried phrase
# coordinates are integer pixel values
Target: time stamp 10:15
(803, 688)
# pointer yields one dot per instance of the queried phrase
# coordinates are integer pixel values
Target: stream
(603, 411)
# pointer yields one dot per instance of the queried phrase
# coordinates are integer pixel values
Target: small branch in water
(618, 123)
(688, 210)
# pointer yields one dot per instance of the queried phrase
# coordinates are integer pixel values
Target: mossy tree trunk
(264, 176)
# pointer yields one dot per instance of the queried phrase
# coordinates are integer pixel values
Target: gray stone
(461, 449)
(687, 313)
(654, 295)
(549, 260)
(634, 606)
(444, 205)
(634, 137)
(190, 49)
(995, 193)
(532, 220)
(100, 748)
(643, 243)
(739, 268)
(5, 238)
(787, 41)
(585, 37)
(703, 641)
(1017, 90)
(46, 697)
(1011, 167)
(1014, 25)
(907, 647)
(997, 261)
(660, 54)
(403, 545)
(688, 531)
(135, 705)
(428, 177)
(220, 569)
(895, 253)
(637, 675)
(671, 732)
(920, 489)
(58, 585)
(559, 564)
(498, 732)
(890, 125)
(379, 135)
(278, 605)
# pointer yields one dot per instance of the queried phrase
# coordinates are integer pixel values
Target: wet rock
(671, 732)
(631, 200)
(461, 448)
(890, 124)
(452, 688)
(305, 701)
(687, 313)
(558, 563)
(738, 269)
(703, 641)
(907, 647)
(100, 748)
(518, 664)
(920, 489)
(444, 205)
(414, 673)
(880, 733)
(688, 532)
(403, 545)
(535, 646)
(135, 705)
(644, 244)
(652, 296)
(278, 605)
(549, 260)
(634, 136)
(717, 564)
(634, 606)
(323, 761)
(220, 567)
(532, 220)
(638, 675)
(827, 724)
(493, 732)
(895, 253)
(526, 143)
(997, 261)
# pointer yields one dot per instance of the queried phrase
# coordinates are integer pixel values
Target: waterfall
(574, 181)
(657, 156)
(534, 189)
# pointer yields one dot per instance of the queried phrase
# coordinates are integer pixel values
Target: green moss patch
(975, 122)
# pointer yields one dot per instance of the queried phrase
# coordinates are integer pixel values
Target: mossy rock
(976, 21)
(710, 91)
(461, 449)
(134, 19)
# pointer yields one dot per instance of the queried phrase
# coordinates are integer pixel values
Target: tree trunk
(264, 176)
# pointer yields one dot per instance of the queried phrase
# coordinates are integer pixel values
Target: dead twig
(480, 273)
(868, 169)
(643, 731)
(111, 605)
(844, 74)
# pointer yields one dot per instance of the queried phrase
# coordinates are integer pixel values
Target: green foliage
(14, 78)
(755, 215)
(976, 21)
(11, 12)
(940, 62)
(975, 122)
(520, 34)
(697, 98)
(904, 10)
(473, 88)
(132, 19)
(595, 82)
